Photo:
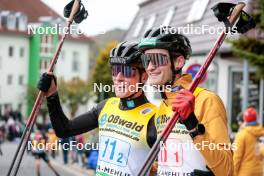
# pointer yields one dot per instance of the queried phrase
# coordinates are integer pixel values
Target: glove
(184, 105)
(45, 83)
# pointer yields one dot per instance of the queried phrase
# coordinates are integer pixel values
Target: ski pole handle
(232, 19)
(236, 12)
(75, 8)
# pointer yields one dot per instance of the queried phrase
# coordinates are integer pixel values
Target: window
(21, 80)
(17, 20)
(138, 27)
(11, 22)
(0, 62)
(9, 79)
(75, 63)
(3, 21)
(11, 51)
(22, 23)
(197, 10)
(151, 22)
(4, 15)
(44, 64)
(19, 106)
(46, 46)
(7, 106)
(22, 52)
(0, 20)
(169, 15)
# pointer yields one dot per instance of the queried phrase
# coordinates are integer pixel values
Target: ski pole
(174, 118)
(32, 118)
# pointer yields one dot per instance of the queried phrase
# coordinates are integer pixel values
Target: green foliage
(261, 3)
(252, 49)
(102, 73)
(31, 97)
(73, 94)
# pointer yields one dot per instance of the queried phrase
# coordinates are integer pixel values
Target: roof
(145, 2)
(14, 32)
(32, 8)
(201, 43)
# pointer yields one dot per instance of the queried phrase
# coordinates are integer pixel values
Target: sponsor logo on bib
(145, 111)
(115, 119)
(103, 119)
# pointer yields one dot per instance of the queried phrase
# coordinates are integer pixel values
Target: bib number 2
(114, 151)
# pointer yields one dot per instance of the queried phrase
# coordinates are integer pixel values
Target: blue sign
(193, 70)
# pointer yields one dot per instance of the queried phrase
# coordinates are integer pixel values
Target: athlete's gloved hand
(184, 105)
(47, 84)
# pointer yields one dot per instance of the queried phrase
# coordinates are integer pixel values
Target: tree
(31, 97)
(251, 47)
(74, 93)
(101, 75)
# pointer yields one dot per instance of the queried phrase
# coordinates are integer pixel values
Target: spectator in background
(53, 141)
(11, 128)
(92, 160)
(249, 153)
(40, 153)
(7, 114)
(80, 152)
(18, 114)
(65, 142)
(1, 116)
(2, 134)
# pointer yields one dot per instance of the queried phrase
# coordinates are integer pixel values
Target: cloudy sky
(103, 14)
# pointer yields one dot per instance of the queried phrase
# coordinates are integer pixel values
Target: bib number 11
(114, 151)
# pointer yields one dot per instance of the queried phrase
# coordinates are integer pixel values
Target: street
(28, 166)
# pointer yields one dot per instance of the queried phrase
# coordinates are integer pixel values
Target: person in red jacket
(248, 158)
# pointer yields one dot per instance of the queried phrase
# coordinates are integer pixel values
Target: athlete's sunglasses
(126, 71)
(156, 59)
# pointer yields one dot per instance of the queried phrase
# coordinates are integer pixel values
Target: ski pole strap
(80, 15)
(223, 10)
(245, 23)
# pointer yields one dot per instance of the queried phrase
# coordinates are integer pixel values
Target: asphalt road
(27, 167)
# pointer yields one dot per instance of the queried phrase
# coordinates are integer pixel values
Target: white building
(14, 58)
(16, 48)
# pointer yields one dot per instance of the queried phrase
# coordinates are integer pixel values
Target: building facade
(25, 54)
